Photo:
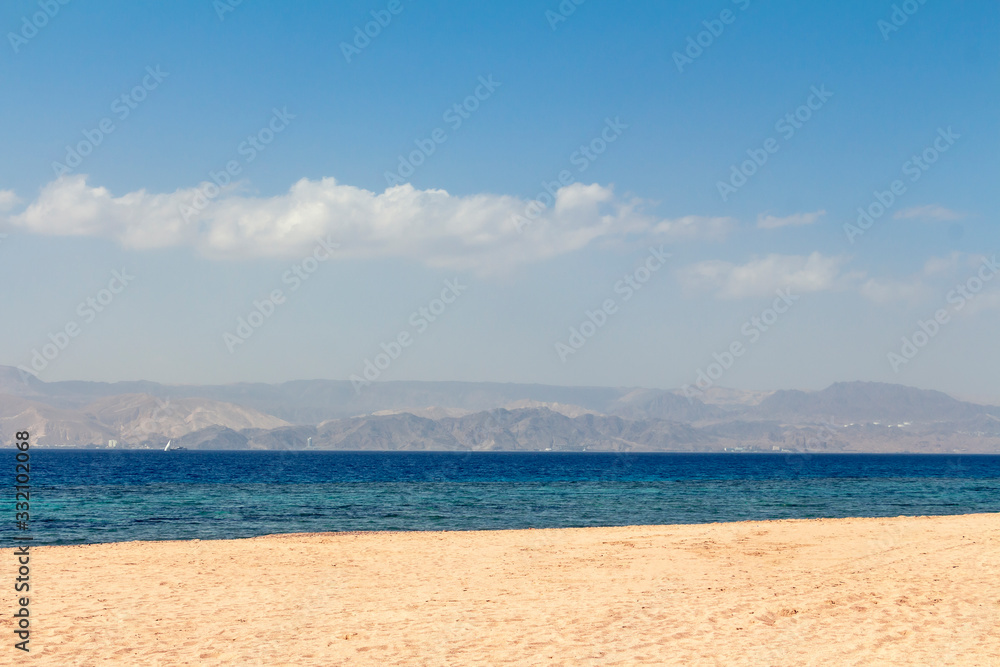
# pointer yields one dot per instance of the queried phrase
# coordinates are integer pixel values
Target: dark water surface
(111, 496)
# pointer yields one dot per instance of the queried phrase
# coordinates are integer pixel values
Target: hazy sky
(686, 160)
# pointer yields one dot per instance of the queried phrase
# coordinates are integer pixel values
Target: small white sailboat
(167, 448)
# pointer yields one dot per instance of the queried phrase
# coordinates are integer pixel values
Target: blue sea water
(112, 496)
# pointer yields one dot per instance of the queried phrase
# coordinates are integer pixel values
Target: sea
(87, 496)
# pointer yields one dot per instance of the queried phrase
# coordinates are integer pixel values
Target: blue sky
(553, 86)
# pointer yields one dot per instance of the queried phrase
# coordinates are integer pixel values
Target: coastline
(904, 590)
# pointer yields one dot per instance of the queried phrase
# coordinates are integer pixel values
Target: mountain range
(330, 414)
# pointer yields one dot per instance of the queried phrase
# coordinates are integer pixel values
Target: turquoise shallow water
(109, 496)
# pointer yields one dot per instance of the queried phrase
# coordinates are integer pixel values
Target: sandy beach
(900, 591)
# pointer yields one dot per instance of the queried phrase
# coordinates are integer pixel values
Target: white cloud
(885, 291)
(940, 265)
(8, 200)
(934, 212)
(695, 227)
(758, 277)
(914, 288)
(796, 220)
(474, 232)
(936, 277)
(987, 300)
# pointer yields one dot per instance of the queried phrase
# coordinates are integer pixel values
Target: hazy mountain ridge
(314, 401)
(133, 419)
(869, 401)
(849, 416)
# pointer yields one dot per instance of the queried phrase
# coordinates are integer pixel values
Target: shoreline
(753, 452)
(901, 590)
(338, 533)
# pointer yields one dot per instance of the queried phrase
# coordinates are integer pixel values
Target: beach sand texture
(900, 591)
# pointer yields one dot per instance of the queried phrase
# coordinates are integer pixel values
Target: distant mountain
(655, 404)
(139, 416)
(50, 425)
(528, 429)
(130, 418)
(313, 401)
(730, 398)
(17, 383)
(868, 401)
(329, 414)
